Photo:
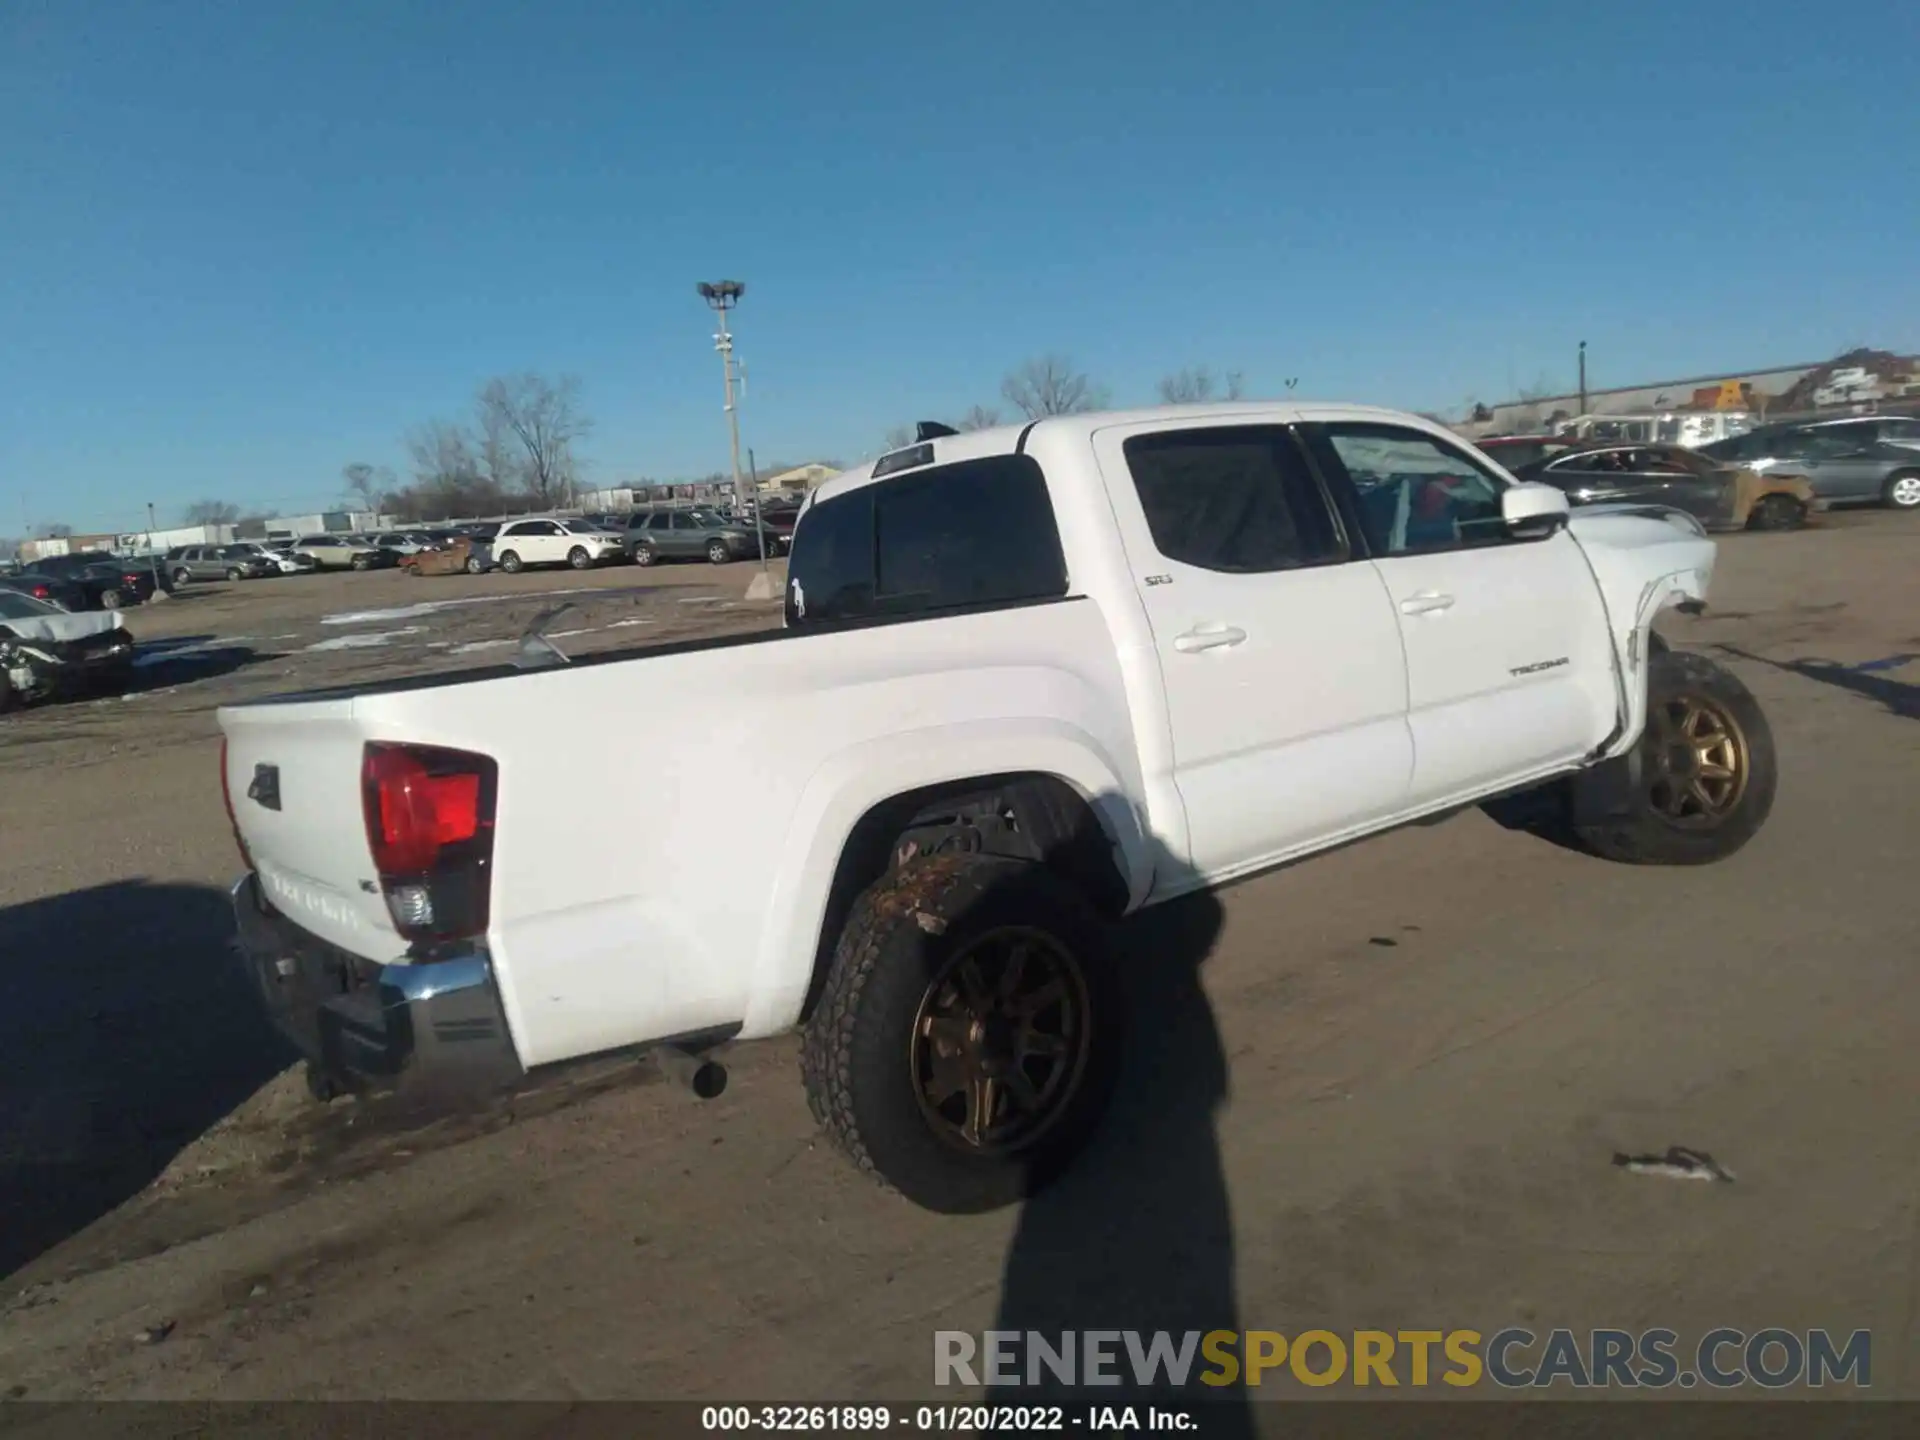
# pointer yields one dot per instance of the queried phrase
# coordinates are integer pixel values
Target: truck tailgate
(293, 777)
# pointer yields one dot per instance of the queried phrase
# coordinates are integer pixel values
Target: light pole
(721, 298)
(153, 555)
(1583, 377)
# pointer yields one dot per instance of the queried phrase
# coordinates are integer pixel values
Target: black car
(1611, 474)
(50, 588)
(110, 582)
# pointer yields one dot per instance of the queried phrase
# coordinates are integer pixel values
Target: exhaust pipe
(701, 1074)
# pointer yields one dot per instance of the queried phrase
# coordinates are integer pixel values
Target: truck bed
(748, 742)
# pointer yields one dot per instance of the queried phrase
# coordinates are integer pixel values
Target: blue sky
(242, 244)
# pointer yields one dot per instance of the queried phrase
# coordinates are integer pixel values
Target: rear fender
(848, 785)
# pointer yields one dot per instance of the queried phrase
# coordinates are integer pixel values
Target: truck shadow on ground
(1138, 1235)
(1898, 696)
(126, 1031)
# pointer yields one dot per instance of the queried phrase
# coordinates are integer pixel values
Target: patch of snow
(472, 645)
(698, 599)
(622, 624)
(429, 607)
(364, 640)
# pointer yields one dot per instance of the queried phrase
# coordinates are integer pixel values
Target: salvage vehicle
(1844, 468)
(49, 653)
(1720, 495)
(1032, 679)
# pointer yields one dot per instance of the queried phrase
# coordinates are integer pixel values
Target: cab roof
(945, 449)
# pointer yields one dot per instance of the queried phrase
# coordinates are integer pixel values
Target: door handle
(1425, 603)
(1208, 639)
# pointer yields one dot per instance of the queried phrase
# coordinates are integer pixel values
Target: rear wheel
(235, 574)
(474, 567)
(1778, 512)
(361, 562)
(968, 1036)
(510, 561)
(578, 558)
(1705, 771)
(111, 599)
(1903, 490)
(718, 553)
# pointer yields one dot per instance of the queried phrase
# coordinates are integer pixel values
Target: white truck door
(1509, 658)
(1280, 652)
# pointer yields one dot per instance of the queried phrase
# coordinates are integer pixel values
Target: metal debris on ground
(154, 1334)
(1679, 1163)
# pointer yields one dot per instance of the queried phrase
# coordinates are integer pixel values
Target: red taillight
(41, 592)
(226, 799)
(413, 812)
(429, 815)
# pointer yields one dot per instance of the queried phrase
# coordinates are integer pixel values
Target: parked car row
(1768, 478)
(643, 537)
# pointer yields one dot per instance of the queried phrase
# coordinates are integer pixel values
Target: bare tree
(59, 530)
(500, 456)
(1196, 385)
(1050, 385)
(980, 417)
(544, 418)
(362, 483)
(899, 437)
(212, 512)
(443, 455)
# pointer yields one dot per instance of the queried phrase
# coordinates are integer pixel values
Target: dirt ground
(1378, 1090)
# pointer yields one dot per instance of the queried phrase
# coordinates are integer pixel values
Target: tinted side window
(1414, 492)
(1236, 499)
(980, 532)
(977, 533)
(830, 573)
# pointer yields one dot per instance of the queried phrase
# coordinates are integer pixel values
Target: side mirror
(1533, 509)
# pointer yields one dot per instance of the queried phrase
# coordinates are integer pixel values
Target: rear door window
(1238, 499)
(975, 533)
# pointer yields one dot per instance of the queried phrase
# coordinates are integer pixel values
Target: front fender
(1643, 564)
(848, 784)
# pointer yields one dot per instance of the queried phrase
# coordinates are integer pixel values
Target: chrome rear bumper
(435, 1024)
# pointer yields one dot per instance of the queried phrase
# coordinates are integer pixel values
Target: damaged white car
(47, 652)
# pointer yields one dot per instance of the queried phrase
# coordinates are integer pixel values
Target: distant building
(1856, 379)
(801, 477)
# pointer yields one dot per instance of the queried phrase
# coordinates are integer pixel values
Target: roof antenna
(932, 430)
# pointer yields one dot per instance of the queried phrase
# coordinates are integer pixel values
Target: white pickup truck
(1031, 679)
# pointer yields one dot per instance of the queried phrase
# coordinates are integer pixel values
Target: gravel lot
(1378, 1090)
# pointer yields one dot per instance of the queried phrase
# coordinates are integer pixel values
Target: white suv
(578, 543)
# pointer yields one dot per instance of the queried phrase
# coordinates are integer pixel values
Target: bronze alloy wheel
(1000, 1042)
(1697, 761)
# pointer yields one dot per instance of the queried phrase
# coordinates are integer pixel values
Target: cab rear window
(974, 533)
